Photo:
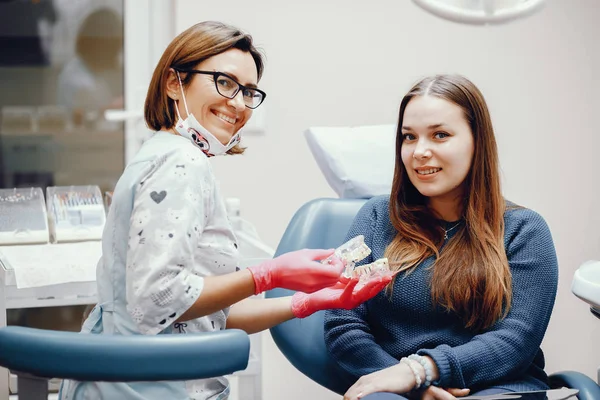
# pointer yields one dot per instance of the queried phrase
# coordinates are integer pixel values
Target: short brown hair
(194, 45)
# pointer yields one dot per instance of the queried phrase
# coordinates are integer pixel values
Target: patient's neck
(448, 208)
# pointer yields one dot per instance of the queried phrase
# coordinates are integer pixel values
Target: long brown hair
(471, 277)
(189, 48)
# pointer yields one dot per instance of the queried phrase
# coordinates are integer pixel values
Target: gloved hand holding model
(297, 270)
(342, 295)
(355, 286)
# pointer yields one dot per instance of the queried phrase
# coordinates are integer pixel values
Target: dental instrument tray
(23, 216)
(75, 213)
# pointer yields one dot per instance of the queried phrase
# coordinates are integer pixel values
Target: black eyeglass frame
(215, 74)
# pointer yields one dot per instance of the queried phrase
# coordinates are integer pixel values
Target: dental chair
(36, 355)
(324, 223)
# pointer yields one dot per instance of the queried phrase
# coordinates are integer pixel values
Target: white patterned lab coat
(166, 230)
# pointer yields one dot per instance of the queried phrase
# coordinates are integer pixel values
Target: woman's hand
(398, 379)
(436, 393)
(395, 379)
(297, 270)
(341, 295)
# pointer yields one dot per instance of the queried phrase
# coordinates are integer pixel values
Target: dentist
(170, 259)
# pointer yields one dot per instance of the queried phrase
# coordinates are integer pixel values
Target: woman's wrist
(406, 373)
(415, 370)
(424, 367)
(435, 372)
(424, 371)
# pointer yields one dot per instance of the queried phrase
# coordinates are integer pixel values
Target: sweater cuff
(443, 364)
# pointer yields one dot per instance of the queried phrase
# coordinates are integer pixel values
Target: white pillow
(358, 162)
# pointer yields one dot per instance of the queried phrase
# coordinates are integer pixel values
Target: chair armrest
(588, 389)
(90, 357)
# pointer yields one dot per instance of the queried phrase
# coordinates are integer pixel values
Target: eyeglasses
(228, 87)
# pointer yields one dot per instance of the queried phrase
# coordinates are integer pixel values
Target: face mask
(199, 135)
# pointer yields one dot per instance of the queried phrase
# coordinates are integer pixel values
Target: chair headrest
(357, 162)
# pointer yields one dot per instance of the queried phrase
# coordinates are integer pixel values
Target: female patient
(477, 275)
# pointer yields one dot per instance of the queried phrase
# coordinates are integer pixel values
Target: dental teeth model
(375, 269)
(353, 251)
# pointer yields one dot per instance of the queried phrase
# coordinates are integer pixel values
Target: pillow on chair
(358, 162)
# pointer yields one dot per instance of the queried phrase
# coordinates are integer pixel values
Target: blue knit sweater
(378, 333)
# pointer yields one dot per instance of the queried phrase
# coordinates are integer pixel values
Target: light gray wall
(340, 62)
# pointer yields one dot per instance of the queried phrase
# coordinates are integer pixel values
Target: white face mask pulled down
(190, 128)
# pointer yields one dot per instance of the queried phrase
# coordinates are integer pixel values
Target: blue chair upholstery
(45, 354)
(323, 223)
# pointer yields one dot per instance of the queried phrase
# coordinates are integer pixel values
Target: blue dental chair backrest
(321, 223)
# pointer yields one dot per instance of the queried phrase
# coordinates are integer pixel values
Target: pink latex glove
(341, 295)
(297, 270)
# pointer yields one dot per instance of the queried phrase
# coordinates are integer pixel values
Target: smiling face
(437, 147)
(221, 116)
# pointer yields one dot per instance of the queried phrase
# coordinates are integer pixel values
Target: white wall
(338, 62)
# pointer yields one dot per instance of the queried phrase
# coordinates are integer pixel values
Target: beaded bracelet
(426, 366)
(406, 361)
